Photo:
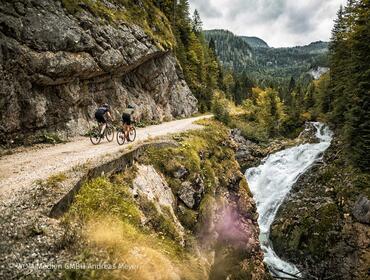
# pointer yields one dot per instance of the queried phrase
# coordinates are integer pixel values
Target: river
(271, 182)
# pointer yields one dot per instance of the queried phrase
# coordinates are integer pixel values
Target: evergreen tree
(212, 45)
(197, 23)
(357, 126)
(339, 50)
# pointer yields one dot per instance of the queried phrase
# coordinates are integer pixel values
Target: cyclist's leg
(126, 129)
(104, 125)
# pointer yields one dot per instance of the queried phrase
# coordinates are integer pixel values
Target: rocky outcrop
(361, 210)
(150, 186)
(55, 68)
(247, 153)
(322, 226)
(250, 154)
(213, 203)
(233, 232)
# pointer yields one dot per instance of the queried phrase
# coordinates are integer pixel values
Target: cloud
(207, 8)
(279, 22)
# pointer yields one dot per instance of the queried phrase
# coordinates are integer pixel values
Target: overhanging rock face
(55, 68)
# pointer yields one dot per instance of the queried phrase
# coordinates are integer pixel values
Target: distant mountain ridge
(254, 57)
(255, 42)
(232, 51)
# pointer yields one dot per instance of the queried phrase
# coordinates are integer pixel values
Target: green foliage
(220, 108)
(233, 51)
(201, 67)
(188, 218)
(267, 113)
(249, 128)
(53, 180)
(51, 138)
(101, 197)
(161, 222)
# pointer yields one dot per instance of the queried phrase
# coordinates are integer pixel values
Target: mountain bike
(96, 136)
(121, 137)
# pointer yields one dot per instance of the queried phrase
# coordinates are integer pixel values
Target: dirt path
(20, 170)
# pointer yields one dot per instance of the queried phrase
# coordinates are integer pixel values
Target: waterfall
(271, 182)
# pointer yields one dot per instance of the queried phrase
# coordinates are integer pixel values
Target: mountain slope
(255, 42)
(267, 65)
(232, 50)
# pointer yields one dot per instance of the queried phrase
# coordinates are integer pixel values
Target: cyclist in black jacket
(100, 115)
(127, 118)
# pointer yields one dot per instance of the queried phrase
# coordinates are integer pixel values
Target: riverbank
(271, 181)
(323, 225)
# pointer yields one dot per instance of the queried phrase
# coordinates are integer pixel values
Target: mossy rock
(313, 234)
(187, 217)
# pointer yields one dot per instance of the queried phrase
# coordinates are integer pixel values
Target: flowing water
(271, 182)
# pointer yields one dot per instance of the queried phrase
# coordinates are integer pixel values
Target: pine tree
(212, 45)
(197, 23)
(357, 126)
(340, 68)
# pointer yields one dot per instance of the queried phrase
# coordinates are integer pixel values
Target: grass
(52, 181)
(100, 197)
(110, 223)
(51, 138)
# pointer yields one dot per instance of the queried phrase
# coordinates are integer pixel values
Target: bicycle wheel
(121, 137)
(95, 136)
(132, 134)
(109, 133)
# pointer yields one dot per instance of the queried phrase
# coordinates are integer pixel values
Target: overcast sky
(281, 23)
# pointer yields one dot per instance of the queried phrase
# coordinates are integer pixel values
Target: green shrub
(220, 108)
(51, 138)
(101, 197)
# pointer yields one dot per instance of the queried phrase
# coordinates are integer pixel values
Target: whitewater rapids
(271, 182)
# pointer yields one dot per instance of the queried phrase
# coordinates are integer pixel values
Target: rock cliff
(56, 67)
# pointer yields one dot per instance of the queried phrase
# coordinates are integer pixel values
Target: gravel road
(18, 171)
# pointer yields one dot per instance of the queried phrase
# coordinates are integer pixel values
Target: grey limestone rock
(56, 68)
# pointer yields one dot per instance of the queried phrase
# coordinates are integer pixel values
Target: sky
(281, 23)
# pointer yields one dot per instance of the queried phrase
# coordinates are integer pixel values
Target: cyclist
(100, 116)
(127, 119)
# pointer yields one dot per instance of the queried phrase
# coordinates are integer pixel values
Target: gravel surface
(18, 171)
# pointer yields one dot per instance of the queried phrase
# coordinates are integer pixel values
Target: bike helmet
(130, 106)
(105, 105)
